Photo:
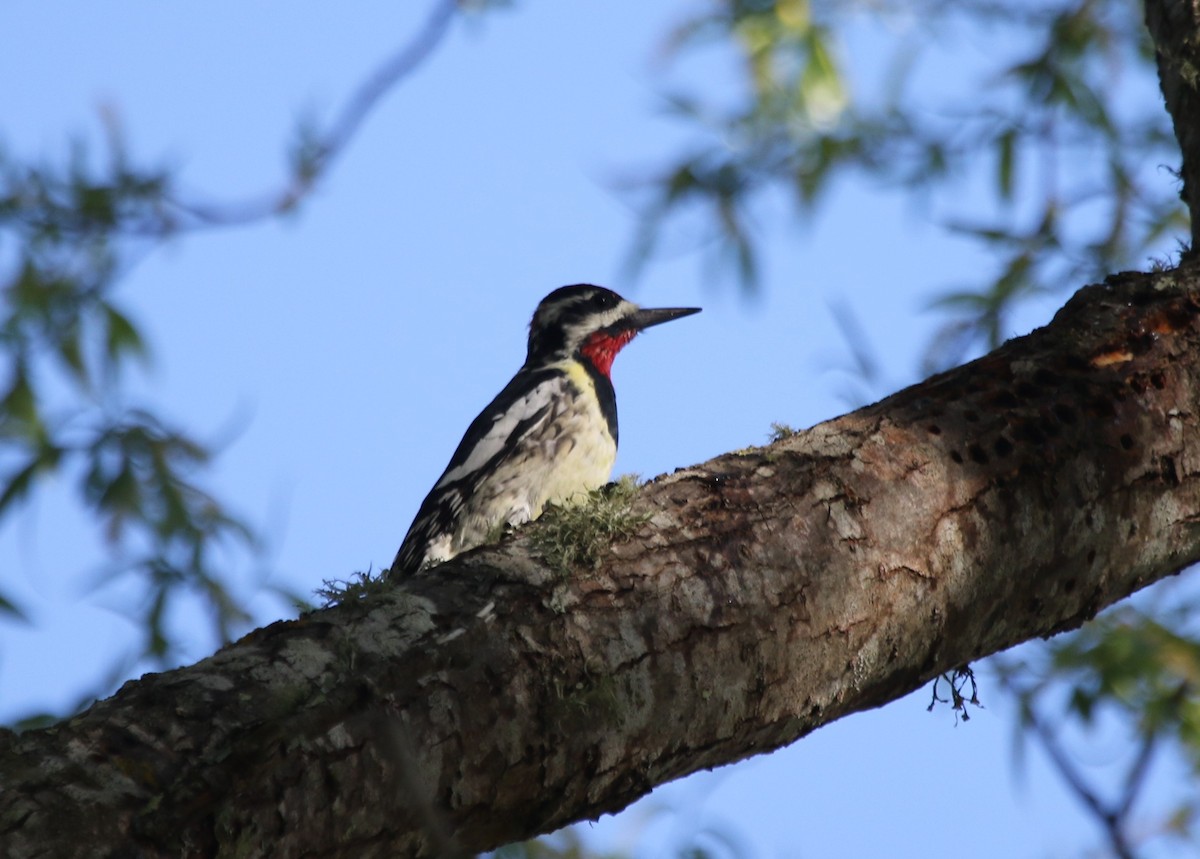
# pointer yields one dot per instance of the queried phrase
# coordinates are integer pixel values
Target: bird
(549, 437)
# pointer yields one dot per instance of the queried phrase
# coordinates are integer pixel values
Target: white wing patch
(562, 450)
(551, 445)
(497, 437)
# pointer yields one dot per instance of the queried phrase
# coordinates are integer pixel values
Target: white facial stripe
(576, 333)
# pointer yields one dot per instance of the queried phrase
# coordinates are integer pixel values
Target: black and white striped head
(590, 321)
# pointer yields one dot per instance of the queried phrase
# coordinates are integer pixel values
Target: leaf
(682, 182)
(121, 499)
(20, 401)
(121, 336)
(995, 235)
(96, 204)
(1005, 148)
(70, 351)
(9, 608)
(18, 486)
(157, 643)
(822, 84)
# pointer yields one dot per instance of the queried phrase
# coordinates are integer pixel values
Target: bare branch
(768, 592)
(317, 155)
(1111, 819)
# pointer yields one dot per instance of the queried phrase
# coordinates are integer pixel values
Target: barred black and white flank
(549, 437)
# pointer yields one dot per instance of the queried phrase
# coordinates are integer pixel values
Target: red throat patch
(601, 348)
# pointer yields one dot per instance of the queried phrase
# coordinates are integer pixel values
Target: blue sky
(338, 355)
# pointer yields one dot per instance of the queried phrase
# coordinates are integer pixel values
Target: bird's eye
(604, 300)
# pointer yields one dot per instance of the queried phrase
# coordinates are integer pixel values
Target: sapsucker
(549, 437)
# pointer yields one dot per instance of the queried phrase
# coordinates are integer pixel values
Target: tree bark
(769, 592)
(1175, 30)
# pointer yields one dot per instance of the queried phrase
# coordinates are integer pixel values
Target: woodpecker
(549, 437)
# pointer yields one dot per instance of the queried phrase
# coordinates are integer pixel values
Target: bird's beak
(646, 317)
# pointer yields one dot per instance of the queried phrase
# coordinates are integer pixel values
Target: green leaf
(822, 84)
(121, 336)
(96, 204)
(121, 499)
(9, 608)
(682, 182)
(157, 643)
(20, 402)
(70, 351)
(1005, 148)
(17, 486)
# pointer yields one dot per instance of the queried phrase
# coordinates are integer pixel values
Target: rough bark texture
(770, 591)
(1175, 30)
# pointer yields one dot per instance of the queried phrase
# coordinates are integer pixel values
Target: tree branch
(1175, 29)
(769, 591)
(316, 155)
(1111, 819)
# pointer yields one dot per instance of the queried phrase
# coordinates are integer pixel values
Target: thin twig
(1137, 774)
(1112, 819)
(394, 69)
(330, 145)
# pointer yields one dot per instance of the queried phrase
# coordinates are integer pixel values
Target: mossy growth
(496, 533)
(359, 586)
(575, 536)
(591, 700)
(780, 432)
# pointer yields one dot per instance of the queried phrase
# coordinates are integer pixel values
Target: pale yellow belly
(559, 462)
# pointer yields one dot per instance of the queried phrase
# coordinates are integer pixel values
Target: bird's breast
(578, 449)
(558, 460)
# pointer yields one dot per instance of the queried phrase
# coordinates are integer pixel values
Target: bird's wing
(492, 437)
